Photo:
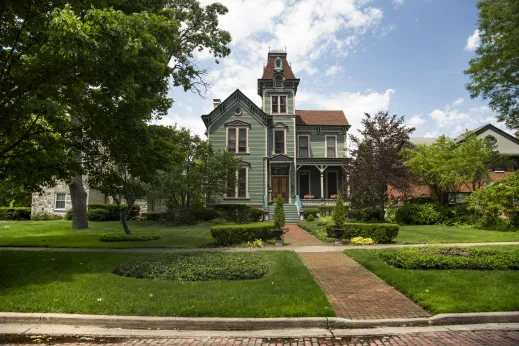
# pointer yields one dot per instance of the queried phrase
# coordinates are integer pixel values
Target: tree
(339, 212)
(130, 170)
(434, 165)
(377, 164)
(195, 172)
(494, 72)
(279, 214)
(75, 74)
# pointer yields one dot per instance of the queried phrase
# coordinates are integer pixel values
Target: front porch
(319, 181)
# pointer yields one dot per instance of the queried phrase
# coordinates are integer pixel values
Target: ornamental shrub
(68, 214)
(378, 232)
(196, 266)
(316, 230)
(151, 216)
(326, 210)
(113, 210)
(236, 234)
(339, 212)
(422, 214)
(98, 215)
(234, 212)
(279, 214)
(44, 216)
(255, 215)
(115, 237)
(425, 258)
(204, 214)
(418, 199)
(15, 213)
(308, 212)
(361, 241)
(310, 218)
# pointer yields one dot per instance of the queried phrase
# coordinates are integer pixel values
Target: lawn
(84, 283)
(450, 234)
(60, 234)
(449, 291)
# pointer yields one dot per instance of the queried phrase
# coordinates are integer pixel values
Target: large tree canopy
(494, 72)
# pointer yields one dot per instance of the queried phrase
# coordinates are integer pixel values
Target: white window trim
(274, 141)
(279, 103)
(326, 145)
(237, 148)
(236, 185)
(298, 146)
(328, 178)
(56, 200)
(299, 182)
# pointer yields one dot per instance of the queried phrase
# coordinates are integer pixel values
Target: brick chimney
(216, 103)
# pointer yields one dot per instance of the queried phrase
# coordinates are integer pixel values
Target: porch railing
(298, 204)
(317, 202)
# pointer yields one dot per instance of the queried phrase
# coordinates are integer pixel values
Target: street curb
(215, 323)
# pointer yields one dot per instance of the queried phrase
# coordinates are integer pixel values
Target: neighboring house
(295, 154)
(506, 144)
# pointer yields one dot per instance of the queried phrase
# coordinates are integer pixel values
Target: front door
(280, 187)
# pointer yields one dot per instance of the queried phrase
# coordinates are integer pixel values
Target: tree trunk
(124, 214)
(382, 203)
(78, 197)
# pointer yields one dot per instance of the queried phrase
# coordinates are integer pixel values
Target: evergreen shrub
(236, 234)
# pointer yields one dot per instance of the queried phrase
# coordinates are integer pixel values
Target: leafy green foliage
(236, 234)
(15, 213)
(279, 213)
(326, 210)
(494, 200)
(98, 215)
(204, 214)
(113, 210)
(44, 216)
(239, 213)
(450, 258)
(151, 216)
(493, 72)
(378, 232)
(308, 212)
(377, 163)
(317, 230)
(339, 212)
(117, 237)
(361, 241)
(196, 267)
(310, 218)
(422, 214)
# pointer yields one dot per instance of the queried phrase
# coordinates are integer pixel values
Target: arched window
(491, 139)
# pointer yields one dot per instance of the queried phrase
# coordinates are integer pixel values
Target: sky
(403, 56)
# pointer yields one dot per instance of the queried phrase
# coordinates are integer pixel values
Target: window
(457, 197)
(279, 104)
(239, 190)
(303, 146)
(330, 146)
(242, 145)
(60, 201)
(279, 142)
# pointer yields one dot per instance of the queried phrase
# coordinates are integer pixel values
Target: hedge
(239, 213)
(44, 216)
(15, 213)
(422, 214)
(237, 234)
(115, 237)
(379, 232)
(98, 215)
(151, 216)
(205, 214)
(308, 212)
(113, 210)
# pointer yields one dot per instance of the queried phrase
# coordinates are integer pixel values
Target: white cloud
(192, 122)
(415, 120)
(457, 102)
(332, 70)
(473, 41)
(398, 2)
(433, 134)
(386, 30)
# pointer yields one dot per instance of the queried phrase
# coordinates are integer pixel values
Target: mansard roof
(320, 117)
(268, 71)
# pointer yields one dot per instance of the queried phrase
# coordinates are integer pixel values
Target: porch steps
(291, 215)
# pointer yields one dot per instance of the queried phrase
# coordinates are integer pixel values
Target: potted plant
(339, 217)
(279, 221)
(271, 201)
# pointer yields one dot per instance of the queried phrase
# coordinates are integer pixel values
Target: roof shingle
(315, 117)
(268, 71)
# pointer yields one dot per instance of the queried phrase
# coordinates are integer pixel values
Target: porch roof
(322, 161)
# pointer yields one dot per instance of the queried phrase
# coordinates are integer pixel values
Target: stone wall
(45, 202)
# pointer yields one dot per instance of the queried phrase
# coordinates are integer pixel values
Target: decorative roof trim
(237, 123)
(279, 124)
(280, 159)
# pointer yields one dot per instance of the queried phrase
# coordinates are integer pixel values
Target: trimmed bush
(364, 214)
(361, 241)
(326, 210)
(450, 258)
(98, 215)
(279, 214)
(151, 216)
(237, 234)
(113, 210)
(316, 230)
(44, 216)
(255, 215)
(308, 212)
(196, 267)
(310, 218)
(15, 213)
(418, 199)
(422, 214)
(205, 214)
(379, 232)
(68, 214)
(115, 237)
(234, 212)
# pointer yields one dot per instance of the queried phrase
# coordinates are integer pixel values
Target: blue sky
(405, 56)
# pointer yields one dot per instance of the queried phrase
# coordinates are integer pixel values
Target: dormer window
(279, 104)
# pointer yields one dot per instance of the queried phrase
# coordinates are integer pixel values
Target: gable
(506, 144)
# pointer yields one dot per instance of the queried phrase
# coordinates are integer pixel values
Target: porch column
(290, 184)
(322, 185)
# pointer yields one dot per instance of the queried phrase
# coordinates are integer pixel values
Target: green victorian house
(298, 154)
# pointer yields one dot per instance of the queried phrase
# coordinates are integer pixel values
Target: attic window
(491, 139)
(278, 63)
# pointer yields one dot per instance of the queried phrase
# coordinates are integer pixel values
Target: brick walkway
(298, 237)
(462, 338)
(355, 292)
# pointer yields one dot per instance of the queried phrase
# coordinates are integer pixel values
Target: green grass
(450, 234)
(84, 283)
(60, 234)
(449, 291)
